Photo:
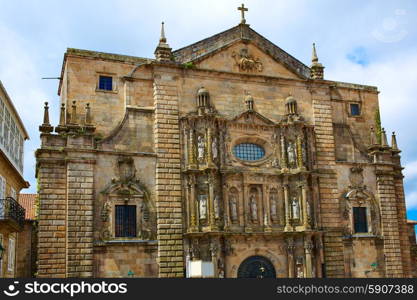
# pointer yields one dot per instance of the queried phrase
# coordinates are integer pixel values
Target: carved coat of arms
(246, 62)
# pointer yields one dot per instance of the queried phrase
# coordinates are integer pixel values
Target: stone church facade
(227, 157)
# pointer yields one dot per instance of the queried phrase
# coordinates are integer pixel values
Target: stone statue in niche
(216, 207)
(300, 272)
(266, 220)
(203, 206)
(220, 267)
(253, 207)
(291, 154)
(214, 148)
(233, 208)
(295, 208)
(201, 147)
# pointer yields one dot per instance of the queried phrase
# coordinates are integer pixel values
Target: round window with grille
(249, 151)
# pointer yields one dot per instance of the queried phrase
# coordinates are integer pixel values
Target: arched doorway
(256, 267)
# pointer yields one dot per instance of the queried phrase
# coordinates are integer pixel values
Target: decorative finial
(46, 126)
(46, 115)
(163, 51)
(384, 140)
(62, 115)
(163, 38)
(394, 145)
(87, 114)
(74, 113)
(249, 101)
(62, 123)
(242, 10)
(373, 140)
(316, 68)
(314, 58)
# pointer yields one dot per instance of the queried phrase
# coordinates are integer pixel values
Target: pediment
(242, 50)
(246, 59)
(251, 117)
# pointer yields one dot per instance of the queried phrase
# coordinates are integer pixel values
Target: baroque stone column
(209, 145)
(290, 256)
(266, 210)
(191, 149)
(284, 163)
(245, 207)
(226, 210)
(192, 203)
(288, 226)
(306, 223)
(308, 248)
(212, 220)
(299, 145)
(214, 250)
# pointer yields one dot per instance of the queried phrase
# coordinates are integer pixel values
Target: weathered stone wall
(228, 91)
(25, 252)
(329, 204)
(168, 180)
(116, 260)
(390, 222)
(82, 71)
(80, 199)
(52, 247)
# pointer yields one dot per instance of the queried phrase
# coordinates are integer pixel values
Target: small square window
(105, 83)
(355, 109)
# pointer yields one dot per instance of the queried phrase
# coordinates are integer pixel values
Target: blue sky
(367, 42)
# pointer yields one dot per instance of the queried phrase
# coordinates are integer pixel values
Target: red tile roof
(28, 202)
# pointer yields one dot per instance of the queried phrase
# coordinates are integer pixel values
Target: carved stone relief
(247, 62)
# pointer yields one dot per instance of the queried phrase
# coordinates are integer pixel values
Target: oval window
(248, 151)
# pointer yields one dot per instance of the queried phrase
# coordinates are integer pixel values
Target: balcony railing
(11, 210)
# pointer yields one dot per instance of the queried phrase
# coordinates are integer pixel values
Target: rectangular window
(355, 109)
(359, 219)
(105, 83)
(6, 130)
(11, 255)
(125, 221)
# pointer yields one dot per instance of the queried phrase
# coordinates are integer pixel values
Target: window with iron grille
(248, 151)
(105, 83)
(359, 219)
(125, 221)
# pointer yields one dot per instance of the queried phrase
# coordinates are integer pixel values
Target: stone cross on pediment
(242, 10)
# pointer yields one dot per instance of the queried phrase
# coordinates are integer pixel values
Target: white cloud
(410, 170)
